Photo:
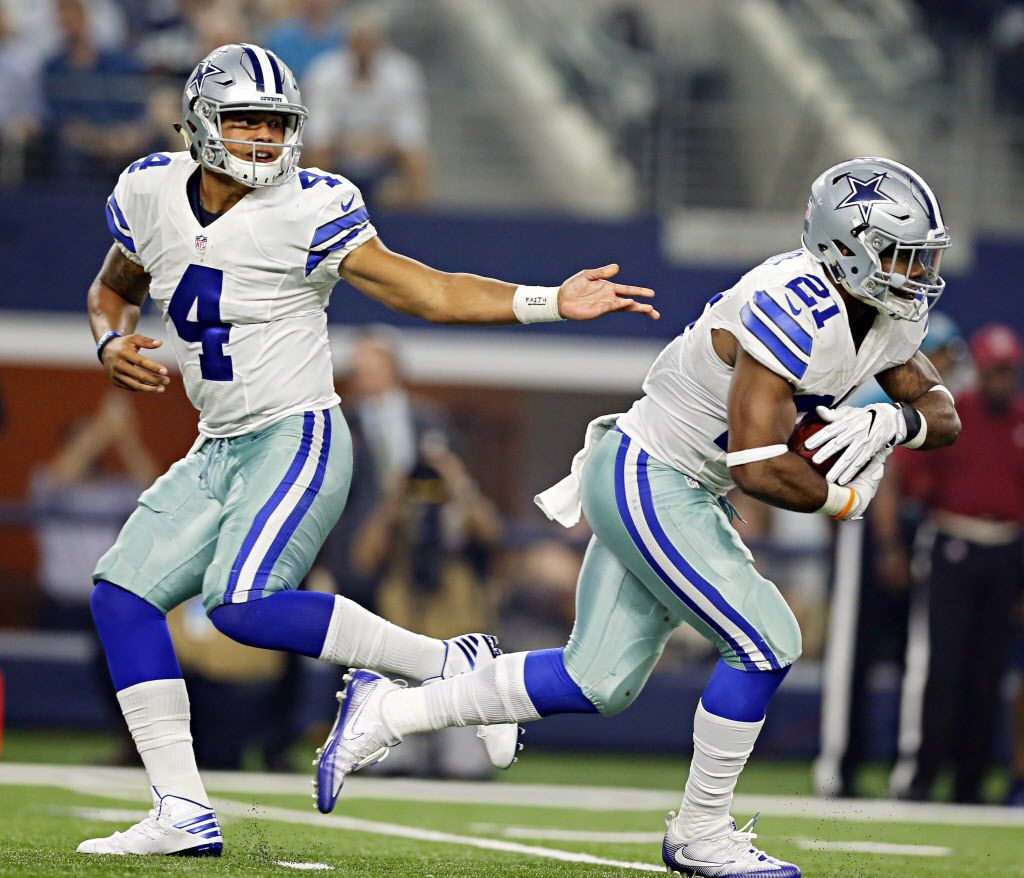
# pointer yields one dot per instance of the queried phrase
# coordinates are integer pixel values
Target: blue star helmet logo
(205, 69)
(865, 194)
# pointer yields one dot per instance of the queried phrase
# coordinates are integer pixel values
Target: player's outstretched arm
(761, 416)
(914, 383)
(114, 303)
(410, 287)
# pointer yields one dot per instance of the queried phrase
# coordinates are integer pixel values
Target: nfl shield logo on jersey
(201, 243)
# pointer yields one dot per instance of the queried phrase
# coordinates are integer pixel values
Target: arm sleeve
(774, 336)
(343, 225)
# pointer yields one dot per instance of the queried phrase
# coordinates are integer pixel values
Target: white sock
(359, 639)
(721, 748)
(157, 714)
(494, 694)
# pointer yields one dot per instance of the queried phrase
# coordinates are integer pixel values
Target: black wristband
(912, 418)
(105, 339)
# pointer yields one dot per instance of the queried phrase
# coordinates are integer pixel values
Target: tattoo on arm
(124, 277)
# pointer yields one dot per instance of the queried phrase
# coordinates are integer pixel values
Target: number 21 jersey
(788, 316)
(244, 297)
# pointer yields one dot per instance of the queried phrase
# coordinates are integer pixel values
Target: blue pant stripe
(634, 534)
(268, 508)
(684, 567)
(297, 514)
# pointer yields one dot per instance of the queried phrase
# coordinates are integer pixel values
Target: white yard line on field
(414, 833)
(873, 847)
(308, 867)
(131, 783)
(228, 808)
(539, 832)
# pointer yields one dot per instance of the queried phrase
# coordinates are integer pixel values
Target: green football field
(604, 817)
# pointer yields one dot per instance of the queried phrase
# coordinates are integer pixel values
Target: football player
(240, 248)
(798, 333)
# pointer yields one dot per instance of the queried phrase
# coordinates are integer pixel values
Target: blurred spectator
(95, 101)
(79, 507)
(1015, 794)
(314, 28)
(391, 422)
(970, 560)
(867, 630)
(164, 36)
(20, 73)
(368, 117)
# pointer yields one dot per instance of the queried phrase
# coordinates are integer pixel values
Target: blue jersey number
(308, 179)
(156, 160)
(203, 284)
(803, 287)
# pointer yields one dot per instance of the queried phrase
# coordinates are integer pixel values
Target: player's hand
(589, 294)
(865, 483)
(130, 369)
(862, 432)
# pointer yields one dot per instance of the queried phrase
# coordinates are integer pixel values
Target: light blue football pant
(663, 554)
(239, 518)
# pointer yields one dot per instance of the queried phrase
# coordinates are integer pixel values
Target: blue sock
(549, 685)
(134, 635)
(294, 621)
(741, 695)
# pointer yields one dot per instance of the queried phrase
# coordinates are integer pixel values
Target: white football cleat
(468, 652)
(358, 737)
(175, 827)
(729, 854)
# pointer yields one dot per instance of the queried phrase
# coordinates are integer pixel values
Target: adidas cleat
(730, 854)
(358, 737)
(469, 652)
(176, 827)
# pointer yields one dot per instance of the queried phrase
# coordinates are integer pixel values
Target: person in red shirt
(970, 562)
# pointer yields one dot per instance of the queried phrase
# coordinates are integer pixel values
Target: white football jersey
(788, 316)
(243, 298)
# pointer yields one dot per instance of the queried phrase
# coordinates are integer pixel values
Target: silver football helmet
(232, 79)
(877, 228)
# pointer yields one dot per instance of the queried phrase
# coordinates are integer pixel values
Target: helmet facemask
(214, 154)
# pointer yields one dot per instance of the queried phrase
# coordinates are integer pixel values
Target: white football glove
(866, 484)
(862, 432)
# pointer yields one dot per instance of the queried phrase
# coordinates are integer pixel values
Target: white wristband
(840, 501)
(918, 440)
(536, 304)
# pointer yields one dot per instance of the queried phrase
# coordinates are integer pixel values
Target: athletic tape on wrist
(840, 501)
(752, 455)
(536, 304)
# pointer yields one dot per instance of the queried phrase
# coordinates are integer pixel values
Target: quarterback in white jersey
(796, 334)
(240, 248)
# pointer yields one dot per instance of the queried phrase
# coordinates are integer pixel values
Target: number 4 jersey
(244, 297)
(787, 315)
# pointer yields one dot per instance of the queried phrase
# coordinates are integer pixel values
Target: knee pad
(613, 684)
(769, 614)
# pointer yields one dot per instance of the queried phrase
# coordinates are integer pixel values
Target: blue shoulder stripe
(126, 240)
(790, 328)
(329, 230)
(315, 258)
(763, 334)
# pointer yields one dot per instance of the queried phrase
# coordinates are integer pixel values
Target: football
(805, 428)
